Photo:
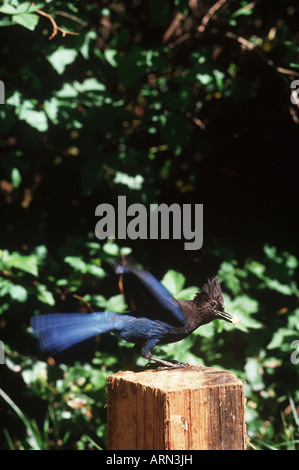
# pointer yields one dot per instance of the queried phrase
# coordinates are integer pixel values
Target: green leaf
(227, 273)
(61, 58)
(15, 291)
(67, 91)
(111, 249)
(291, 261)
(116, 304)
(18, 293)
(4, 307)
(97, 300)
(8, 9)
(188, 293)
(44, 295)
(77, 263)
(51, 108)
(242, 307)
(173, 281)
(85, 48)
(206, 331)
(16, 177)
(28, 20)
(27, 263)
(256, 268)
(246, 304)
(90, 84)
(282, 339)
(23, 7)
(81, 266)
(36, 119)
(271, 253)
(204, 78)
(62, 282)
(34, 6)
(133, 182)
(293, 319)
(274, 284)
(254, 374)
(125, 250)
(95, 270)
(243, 11)
(37, 371)
(110, 55)
(6, 22)
(14, 99)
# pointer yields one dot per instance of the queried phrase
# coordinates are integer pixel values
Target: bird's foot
(168, 364)
(178, 365)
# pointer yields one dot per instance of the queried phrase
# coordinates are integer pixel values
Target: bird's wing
(157, 290)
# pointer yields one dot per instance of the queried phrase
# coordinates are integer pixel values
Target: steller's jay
(168, 321)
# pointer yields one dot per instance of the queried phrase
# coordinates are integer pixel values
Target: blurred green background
(160, 101)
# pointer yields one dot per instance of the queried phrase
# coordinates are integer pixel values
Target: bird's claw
(174, 365)
(167, 364)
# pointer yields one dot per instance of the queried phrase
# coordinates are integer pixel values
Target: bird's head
(210, 302)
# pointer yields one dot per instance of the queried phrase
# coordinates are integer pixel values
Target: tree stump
(192, 408)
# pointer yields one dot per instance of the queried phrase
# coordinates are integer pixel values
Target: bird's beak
(227, 317)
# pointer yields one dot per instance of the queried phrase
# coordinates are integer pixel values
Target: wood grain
(176, 409)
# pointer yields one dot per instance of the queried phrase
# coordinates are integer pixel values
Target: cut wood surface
(188, 408)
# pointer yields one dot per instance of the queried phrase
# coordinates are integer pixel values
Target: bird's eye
(213, 304)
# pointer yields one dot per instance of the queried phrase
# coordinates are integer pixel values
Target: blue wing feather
(159, 292)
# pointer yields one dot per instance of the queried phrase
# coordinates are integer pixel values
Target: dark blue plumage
(168, 321)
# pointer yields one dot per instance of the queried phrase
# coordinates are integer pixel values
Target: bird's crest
(211, 291)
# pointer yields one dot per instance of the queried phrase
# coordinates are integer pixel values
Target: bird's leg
(146, 353)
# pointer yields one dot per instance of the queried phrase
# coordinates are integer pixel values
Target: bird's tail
(58, 331)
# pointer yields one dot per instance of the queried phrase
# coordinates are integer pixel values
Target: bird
(167, 320)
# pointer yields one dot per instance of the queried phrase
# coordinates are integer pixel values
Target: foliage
(160, 101)
(253, 291)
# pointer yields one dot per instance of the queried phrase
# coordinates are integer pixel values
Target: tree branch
(210, 13)
(84, 301)
(56, 28)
